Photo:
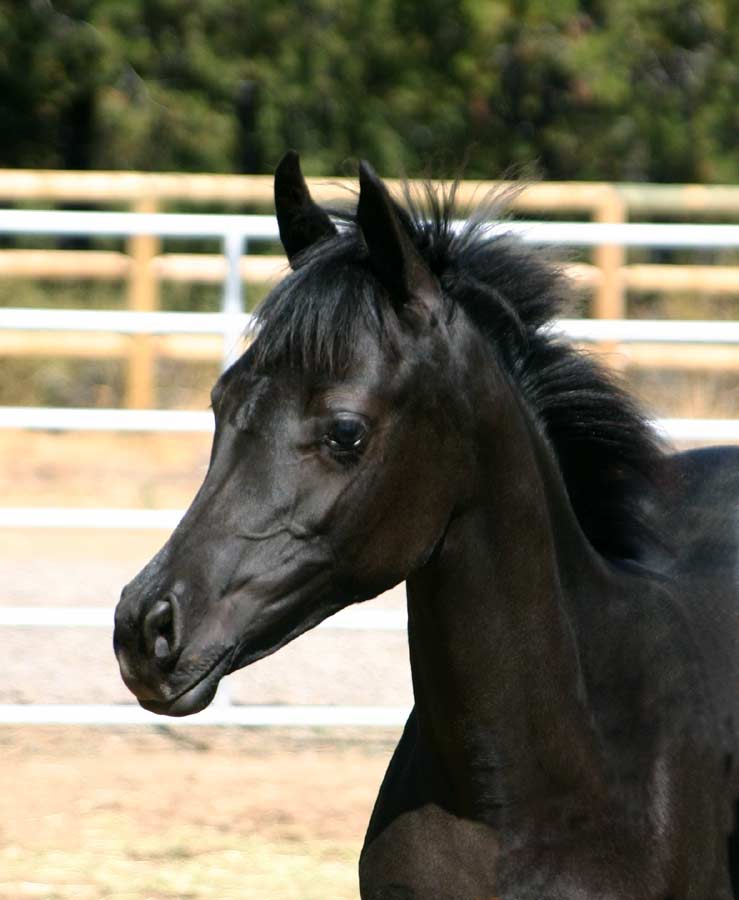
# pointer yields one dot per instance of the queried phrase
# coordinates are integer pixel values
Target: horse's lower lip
(195, 698)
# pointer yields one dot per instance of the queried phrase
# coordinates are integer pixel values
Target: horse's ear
(392, 254)
(301, 221)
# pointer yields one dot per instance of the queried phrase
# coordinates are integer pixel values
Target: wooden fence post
(143, 295)
(609, 301)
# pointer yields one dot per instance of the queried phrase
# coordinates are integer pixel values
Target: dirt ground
(139, 814)
(101, 469)
(152, 813)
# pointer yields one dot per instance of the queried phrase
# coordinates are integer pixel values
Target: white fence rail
(313, 716)
(235, 232)
(120, 321)
(127, 322)
(254, 227)
(45, 418)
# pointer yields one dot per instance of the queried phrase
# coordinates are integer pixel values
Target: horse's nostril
(161, 631)
(161, 647)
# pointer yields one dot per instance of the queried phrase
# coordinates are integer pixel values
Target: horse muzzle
(148, 642)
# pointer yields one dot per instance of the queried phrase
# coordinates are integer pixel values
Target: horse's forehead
(373, 370)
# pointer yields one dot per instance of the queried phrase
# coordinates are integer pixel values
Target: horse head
(335, 464)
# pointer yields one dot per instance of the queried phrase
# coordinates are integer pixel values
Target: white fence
(236, 232)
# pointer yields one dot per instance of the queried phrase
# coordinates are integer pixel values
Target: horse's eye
(346, 434)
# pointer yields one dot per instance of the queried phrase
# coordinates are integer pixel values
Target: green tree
(50, 75)
(638, 89)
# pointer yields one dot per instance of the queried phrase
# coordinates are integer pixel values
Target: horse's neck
(499, 695)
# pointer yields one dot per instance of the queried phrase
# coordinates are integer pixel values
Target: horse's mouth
(196, 696)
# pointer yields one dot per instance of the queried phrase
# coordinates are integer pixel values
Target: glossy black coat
(572, 590)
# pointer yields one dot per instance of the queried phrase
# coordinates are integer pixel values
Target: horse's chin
(260, 636)
(193, 699)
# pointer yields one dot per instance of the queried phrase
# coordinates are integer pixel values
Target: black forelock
(607, 452)
(314, 317)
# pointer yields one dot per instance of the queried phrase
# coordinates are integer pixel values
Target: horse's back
(699, 518)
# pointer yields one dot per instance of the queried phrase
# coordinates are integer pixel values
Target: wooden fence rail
(143, 266)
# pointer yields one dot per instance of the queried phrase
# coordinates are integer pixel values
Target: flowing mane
(607, 452)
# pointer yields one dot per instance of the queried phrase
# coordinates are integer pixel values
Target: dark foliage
(629, 91)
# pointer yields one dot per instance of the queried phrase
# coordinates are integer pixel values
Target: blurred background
(162, 110)
(637, 90)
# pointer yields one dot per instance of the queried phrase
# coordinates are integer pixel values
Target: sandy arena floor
(153, 813)
(139, 814)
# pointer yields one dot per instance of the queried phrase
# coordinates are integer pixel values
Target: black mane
(607, 452)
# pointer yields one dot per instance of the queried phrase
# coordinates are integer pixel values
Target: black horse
(405, 413)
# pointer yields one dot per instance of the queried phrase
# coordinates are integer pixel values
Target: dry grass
(181, 863)
(99, 469)
(132, 815)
